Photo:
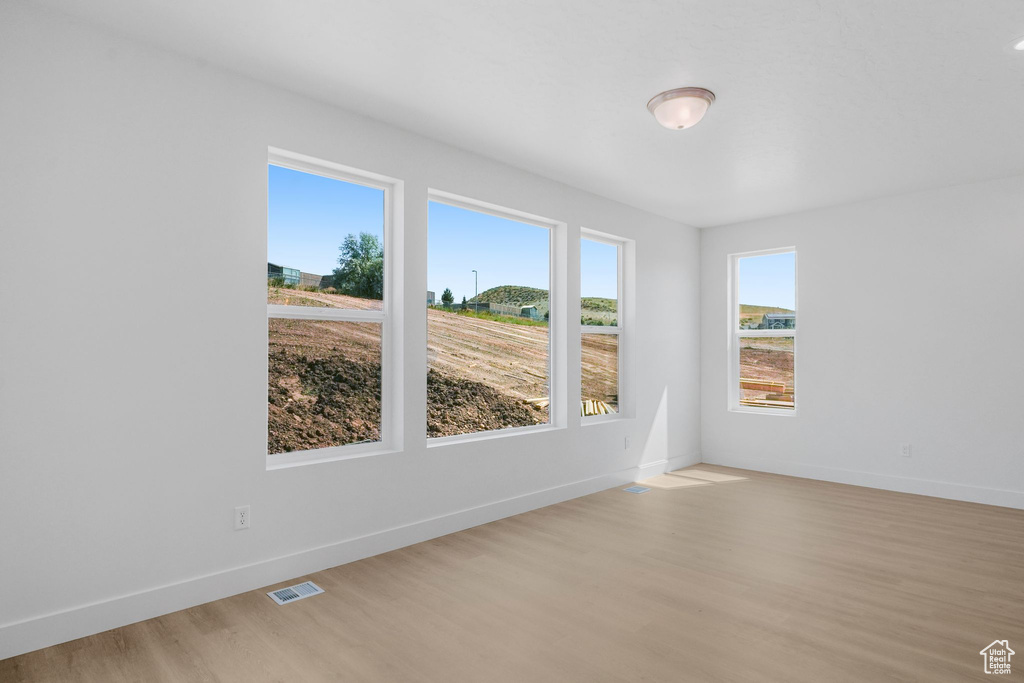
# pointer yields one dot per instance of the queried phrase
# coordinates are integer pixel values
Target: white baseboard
(58, 627)
(923, 487)
(653, 469)
(682, 461)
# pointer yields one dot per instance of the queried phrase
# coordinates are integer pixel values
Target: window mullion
(316, 313)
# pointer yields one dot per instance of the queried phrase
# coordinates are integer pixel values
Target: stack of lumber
(589, 407)
(763, 385)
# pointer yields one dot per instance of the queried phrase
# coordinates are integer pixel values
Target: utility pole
(476, 291)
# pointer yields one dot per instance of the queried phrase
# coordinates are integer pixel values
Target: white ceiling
(820, 102)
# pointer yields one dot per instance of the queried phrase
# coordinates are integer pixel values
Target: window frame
(389, 317)
(622, 326)
(735, 333)
(557, 364)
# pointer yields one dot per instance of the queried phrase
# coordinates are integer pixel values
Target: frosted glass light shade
(682, 107)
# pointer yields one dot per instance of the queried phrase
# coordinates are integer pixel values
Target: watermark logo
(997, 657)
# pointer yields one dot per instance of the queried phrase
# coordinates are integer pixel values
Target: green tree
(360, 270)
(447, 298)
(463, 301)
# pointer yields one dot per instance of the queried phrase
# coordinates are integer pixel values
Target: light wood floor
(768, 579)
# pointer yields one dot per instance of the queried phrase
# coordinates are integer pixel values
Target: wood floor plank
(768, 578)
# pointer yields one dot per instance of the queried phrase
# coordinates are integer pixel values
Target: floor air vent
(296, 592)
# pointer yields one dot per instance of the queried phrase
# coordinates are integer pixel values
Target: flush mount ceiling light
(1019, 45)
(681, 108)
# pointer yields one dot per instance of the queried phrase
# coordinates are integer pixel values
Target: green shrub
(595, 303)
(511, 319)
(276, 282)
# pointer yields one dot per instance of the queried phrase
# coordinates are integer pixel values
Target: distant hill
(754, 314)
(524, 296)
(596, 303)
(595, 308)
(513, 295)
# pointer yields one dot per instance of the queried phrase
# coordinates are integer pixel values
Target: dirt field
(324, 377)
(475, 363)
(297, 297)
(600, 369)
(769, 359)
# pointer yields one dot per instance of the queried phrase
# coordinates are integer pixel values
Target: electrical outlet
(627, 443)
(241, 517)
(905, 450)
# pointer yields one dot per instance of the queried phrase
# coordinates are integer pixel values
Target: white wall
(910, 331)
(133, 341)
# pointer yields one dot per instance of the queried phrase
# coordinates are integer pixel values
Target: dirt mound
(321, 402)
(459, 406)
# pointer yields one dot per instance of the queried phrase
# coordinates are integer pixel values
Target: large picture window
(763, 330)
(328, 236)
(601, 323)
(488, 319)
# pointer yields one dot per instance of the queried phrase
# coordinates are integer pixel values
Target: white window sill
(437, 441)
(602, 419)
(280, 461)
(783, 412)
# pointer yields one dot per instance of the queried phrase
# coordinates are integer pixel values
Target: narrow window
(327, 309)
(488, 320)
(601, 324)
(763, 331)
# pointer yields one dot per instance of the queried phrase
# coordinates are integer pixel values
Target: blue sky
(505, 252)
(308, 216)
(599, 269)
(768, 280)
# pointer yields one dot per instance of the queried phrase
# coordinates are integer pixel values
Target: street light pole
(476, 291)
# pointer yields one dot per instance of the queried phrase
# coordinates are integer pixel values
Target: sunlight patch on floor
(669, 481)
(687, 478)
(705, 475)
